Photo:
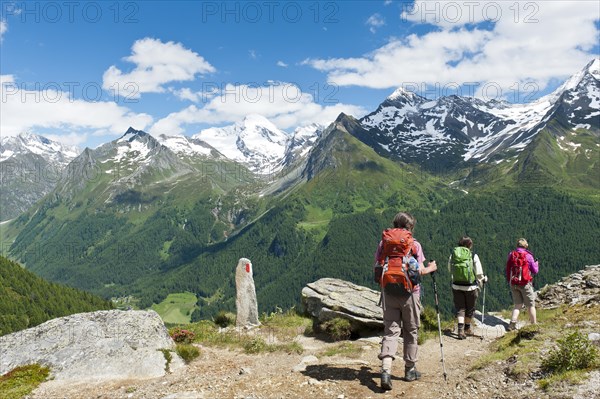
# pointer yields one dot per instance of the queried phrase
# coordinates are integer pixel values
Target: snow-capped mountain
(28, 143)
(30, 167)
(260, 145)
(133, 159)
(453, 129)
(186, 146)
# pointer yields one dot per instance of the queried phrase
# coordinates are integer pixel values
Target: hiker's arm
(430, 268)
(482, 278)
(534, 267)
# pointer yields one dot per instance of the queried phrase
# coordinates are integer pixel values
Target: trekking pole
(483, 306)
(437, 309)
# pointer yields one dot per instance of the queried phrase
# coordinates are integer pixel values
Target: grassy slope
(176, 308)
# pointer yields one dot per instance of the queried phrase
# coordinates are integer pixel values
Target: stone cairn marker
(246, 305)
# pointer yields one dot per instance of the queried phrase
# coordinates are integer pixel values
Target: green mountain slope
(184, 232)
(26, 300)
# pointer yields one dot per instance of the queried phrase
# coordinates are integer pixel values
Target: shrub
(574, 352)
(187, 352)
(255, 345)
(21, 381)
(337, 329)
(224, 319)
(182, 336)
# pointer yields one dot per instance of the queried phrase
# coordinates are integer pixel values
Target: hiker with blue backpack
(398, 269)
(521, 266)
(467, 278)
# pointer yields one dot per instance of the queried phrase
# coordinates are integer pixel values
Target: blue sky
(183, 66)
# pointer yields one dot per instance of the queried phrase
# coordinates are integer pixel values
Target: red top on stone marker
(247, 267)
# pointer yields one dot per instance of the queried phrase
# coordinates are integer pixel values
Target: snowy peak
(450, 130)
(28, 143)
(185, 146)
(254, 142)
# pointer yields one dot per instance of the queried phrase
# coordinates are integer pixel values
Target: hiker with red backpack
(521, 266)
(467, 279)
(398, 269)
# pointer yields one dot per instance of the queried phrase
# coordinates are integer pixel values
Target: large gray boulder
(329, 297)
(97, 346)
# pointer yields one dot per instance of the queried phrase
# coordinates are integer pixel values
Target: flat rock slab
(95, 346)
(329, 297)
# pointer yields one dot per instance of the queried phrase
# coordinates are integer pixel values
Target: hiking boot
(411, 374)
(461, 333)
(386, 381)
(512, 326)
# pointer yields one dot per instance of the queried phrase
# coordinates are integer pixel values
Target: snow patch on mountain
(183, 145)
(53, 151)
(412, 127)
(260, 145)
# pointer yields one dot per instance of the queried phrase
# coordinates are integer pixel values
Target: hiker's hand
(485, 279)
(431, 266)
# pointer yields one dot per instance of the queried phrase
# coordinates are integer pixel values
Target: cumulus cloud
(375, 21)
(282, 64)
(27, 110)
(507, 43)
(282, 103)
(3, 29)
(156, 64)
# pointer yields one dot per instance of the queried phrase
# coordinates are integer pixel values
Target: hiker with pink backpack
(521, 266)
(398, 269)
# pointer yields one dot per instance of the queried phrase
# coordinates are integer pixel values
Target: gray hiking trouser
(401, 314)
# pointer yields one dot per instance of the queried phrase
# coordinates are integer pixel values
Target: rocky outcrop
(329, 297)
(102, 345)
(582, 287)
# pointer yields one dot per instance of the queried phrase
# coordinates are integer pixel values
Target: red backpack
(517, 268)
(397, 249)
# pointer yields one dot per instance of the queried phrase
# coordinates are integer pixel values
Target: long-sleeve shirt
(534, 266)
(478, 273)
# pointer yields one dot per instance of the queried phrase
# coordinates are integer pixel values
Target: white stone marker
(247, 308)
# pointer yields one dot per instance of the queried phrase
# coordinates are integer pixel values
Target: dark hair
(404, 220)
(466, 242)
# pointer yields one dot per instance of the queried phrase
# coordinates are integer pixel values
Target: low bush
(337, 329)
(182, 336)
(20, 381)
(574, 352)
(224, 319)
(187, 352)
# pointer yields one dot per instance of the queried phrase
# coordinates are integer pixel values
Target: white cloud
(186, 94)
(282, 103)
(3, 29)
(375, 21)
(71, 138)
(282, 64)
(6, 79)
(156, 63)
(26, 110)
(514, 50)
(387, 2)
(253, 54)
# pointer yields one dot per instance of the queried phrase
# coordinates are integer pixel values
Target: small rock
(310, 359)
(341, 396)
(313, 381)
(245, 370)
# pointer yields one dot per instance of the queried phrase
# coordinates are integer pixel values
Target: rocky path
(222, 373)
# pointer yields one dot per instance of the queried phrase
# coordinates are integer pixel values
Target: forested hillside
(27, 300)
